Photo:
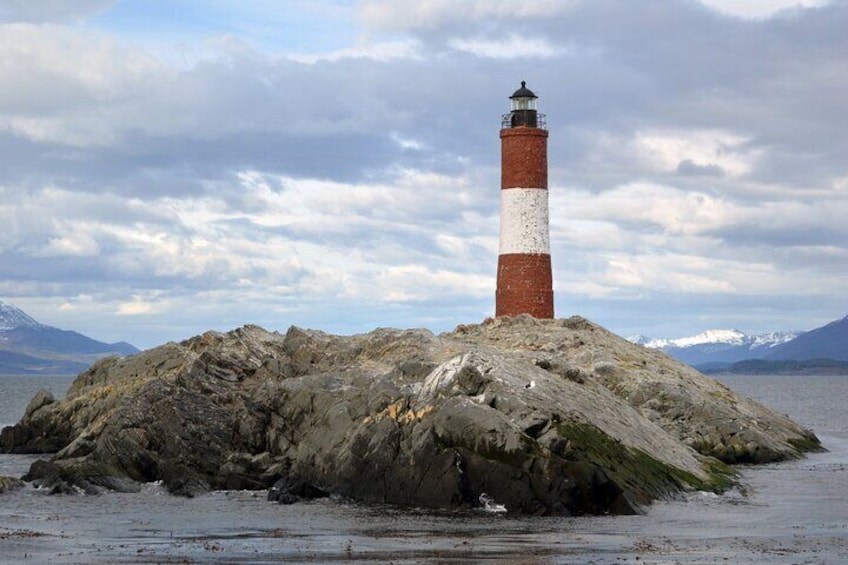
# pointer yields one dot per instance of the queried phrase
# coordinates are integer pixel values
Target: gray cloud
(689, 168)
(50, 10)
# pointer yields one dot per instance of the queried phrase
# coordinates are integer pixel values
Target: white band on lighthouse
(524, 221)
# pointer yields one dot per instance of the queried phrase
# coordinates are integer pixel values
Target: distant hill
(30, 347)
(763, 367)
(826, 342)
(55, 340)
(20, 364)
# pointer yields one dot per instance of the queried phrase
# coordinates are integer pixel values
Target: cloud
(726, 151)
(112, 94)
(37, 11)
(70, 88)
(690, 168)
(306, 241)
(379, 51)
(411, 14)
(136, 308)
(513, 47)
(652, 238)
(694, 158)
(761, 8)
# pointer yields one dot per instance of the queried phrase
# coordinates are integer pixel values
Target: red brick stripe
(524, 158)
(525, 286)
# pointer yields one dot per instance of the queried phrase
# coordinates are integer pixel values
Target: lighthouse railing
(541, 121)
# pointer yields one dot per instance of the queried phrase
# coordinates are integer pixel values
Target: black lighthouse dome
(523, 92)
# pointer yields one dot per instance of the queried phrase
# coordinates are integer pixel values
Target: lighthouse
(525, 282)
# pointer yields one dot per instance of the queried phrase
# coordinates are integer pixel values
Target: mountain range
(720, 349)
(30, 347)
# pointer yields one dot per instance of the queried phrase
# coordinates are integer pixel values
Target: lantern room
(523, 110)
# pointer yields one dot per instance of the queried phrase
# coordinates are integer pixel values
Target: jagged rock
(41, 398)
(8, 484)
(699, 411)
(545, 416)
(291, 489)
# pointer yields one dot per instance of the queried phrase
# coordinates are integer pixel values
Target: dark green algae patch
(807, 443)
(642, 477)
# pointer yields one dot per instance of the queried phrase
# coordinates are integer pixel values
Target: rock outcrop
(545, 416)
(8, 484)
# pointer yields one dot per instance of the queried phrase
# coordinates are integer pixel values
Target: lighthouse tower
(525, 283)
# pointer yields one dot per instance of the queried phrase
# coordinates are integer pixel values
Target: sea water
(787, 513)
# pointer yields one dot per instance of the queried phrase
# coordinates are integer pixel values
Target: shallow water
(795, 512)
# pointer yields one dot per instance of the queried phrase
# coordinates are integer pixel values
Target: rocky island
(542, 416)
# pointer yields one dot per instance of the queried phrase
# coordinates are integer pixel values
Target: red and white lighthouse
(525, 282)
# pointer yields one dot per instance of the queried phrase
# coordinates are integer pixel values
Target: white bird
(489, 504)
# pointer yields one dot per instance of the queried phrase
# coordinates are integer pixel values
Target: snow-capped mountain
(12, 317)
(721, 338)
(719, 345)
(639, 339)
(28, 346)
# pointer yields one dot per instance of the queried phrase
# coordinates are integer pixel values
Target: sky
(172, 167)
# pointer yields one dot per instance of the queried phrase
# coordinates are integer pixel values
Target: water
(789, 513)
(16, 392)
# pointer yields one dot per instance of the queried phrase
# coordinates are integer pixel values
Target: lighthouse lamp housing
(523, 110)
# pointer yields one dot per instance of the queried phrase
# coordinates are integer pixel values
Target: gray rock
(291, 489)
(544, 416)
(41, 398)
(8, 484)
